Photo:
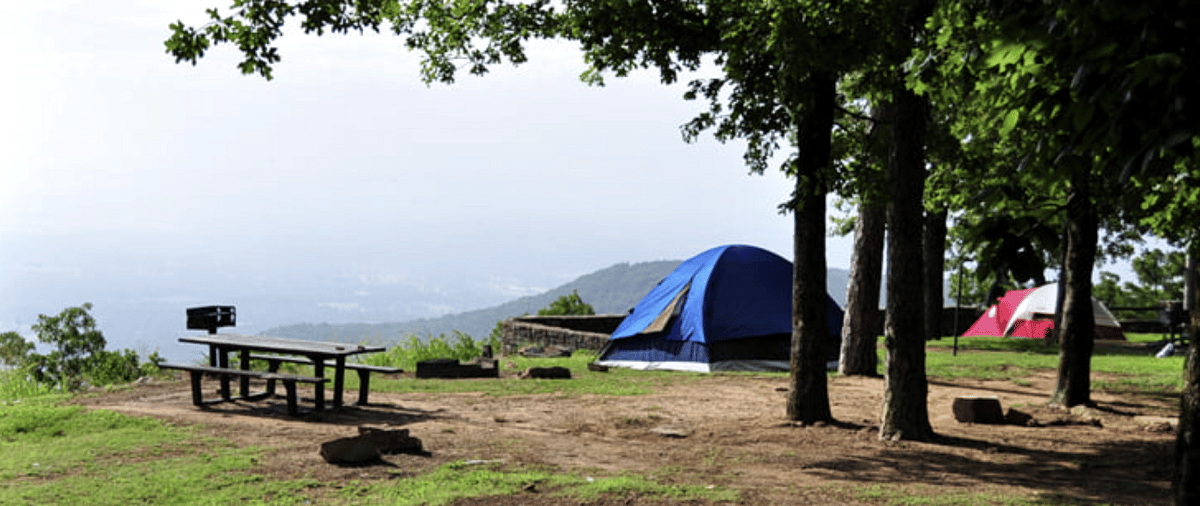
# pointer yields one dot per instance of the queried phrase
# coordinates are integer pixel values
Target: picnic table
(320, 355)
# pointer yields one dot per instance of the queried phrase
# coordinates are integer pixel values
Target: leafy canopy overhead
(446, 31)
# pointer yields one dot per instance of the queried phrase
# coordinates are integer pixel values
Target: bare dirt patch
(724, 430)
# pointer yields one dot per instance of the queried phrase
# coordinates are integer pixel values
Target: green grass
(40, 438)
(913, 495)
(223, 476)
(464, 479)
(1126, 367)
(54, 454)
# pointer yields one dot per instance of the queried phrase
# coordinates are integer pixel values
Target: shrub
(78, 357)
(411, 350)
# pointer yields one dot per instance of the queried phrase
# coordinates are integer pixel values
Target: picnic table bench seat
(224, 374)
(364, 371)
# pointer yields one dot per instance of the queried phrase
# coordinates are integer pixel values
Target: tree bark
(1190, 281)
(935, 266)
(1185, 487)
(861, 326)
(808, 398)
(1078, 330)
(859, 329)
(905, 408)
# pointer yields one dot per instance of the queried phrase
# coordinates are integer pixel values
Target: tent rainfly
(726, 309)
(1030, 313)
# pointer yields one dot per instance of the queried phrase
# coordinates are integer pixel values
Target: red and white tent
(1030, 313)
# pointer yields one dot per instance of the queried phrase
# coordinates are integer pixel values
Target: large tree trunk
(935, 266)
(1186, 485)
(1190, 281)
(905, 409)
(1060, 297)
(859, 329)
(1078, 331)
(808, 399)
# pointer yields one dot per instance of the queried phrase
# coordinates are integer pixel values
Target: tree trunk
(1185, 487)
(859, 329)
(1078, 331)
(808, 399)
(1060, 297)
(1190, 278)
(935, 266)
(905, 408)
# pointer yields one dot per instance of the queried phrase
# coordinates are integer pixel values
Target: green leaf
(1005, 54)
(1010, 121)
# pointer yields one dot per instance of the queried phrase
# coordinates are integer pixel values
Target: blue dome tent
(726, 309)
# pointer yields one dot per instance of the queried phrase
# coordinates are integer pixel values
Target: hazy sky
(123, 171)
(347, 157)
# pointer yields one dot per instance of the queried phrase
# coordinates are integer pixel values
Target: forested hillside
(614, 289)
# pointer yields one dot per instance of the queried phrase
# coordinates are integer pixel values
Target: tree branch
(857, 115)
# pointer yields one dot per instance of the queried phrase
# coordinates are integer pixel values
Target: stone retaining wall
(574, 332)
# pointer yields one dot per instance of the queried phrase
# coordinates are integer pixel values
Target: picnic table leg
(290, 386)
(223, 362)
(364, 386)
(272, 367)
(244, 381)
(339, 376)
(319, 371)
(197, 399)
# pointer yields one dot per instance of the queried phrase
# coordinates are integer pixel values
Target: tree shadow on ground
(1124, 472)
(951, 384)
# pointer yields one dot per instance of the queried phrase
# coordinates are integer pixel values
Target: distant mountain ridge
(612, 290)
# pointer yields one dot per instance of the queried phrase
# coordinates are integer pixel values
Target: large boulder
(391, 441)
(369, 445)
(555, 372)
(349, 450)
(977, 410)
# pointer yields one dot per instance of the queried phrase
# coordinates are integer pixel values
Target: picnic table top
(280, 345)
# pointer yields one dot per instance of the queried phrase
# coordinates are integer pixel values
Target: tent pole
(957, 304)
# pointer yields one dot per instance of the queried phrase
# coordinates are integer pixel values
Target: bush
(78, 358)
(568, 305)
(408, 352)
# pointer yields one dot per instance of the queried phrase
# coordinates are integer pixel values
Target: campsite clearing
(735, 435)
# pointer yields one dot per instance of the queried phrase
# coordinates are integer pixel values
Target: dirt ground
(731, 431)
